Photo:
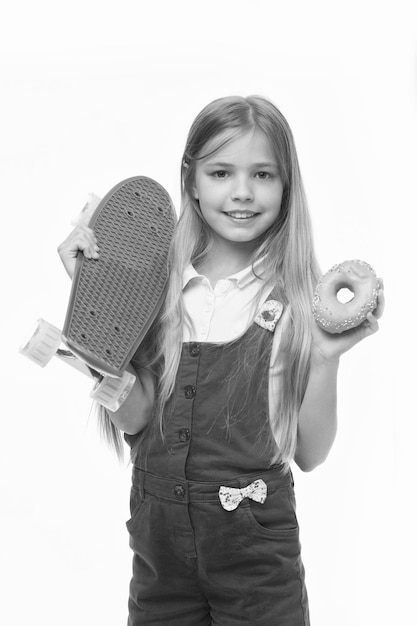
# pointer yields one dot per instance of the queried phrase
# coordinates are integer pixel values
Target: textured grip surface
(115, 298)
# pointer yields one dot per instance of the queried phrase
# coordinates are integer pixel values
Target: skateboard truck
(109, 391)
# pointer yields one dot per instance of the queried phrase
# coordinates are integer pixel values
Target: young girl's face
(238, 188)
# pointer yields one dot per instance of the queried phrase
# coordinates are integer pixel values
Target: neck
(224, 260)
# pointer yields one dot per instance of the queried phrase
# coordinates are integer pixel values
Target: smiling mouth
(240, 215)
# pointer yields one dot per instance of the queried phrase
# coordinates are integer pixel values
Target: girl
(234, 382)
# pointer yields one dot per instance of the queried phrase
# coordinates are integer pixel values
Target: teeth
(241, 215)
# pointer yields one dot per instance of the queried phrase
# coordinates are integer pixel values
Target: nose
(242, 189)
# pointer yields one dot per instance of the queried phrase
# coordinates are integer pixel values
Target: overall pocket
(135, 506)
(276, 515)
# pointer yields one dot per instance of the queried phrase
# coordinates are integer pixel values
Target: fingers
(371, 323)
(81, 239)
(87, 243)
(378, 312)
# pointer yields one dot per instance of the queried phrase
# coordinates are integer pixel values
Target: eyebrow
(224, 164)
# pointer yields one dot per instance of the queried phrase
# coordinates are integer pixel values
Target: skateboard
(114, 299)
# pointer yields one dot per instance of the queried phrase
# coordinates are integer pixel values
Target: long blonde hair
(286, 246)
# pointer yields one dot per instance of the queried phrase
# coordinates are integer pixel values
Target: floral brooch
(269, 315)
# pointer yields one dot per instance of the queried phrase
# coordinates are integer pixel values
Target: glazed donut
(335, 316)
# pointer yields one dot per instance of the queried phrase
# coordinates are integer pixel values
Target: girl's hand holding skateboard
(81, 239)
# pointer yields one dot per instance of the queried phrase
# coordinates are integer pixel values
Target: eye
(220, 174)
(263, 175)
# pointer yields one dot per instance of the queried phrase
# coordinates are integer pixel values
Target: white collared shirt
(223, 313)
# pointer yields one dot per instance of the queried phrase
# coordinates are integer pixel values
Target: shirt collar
(242, 278)
(189, 274)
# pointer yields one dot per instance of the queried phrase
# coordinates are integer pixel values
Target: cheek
(278, 197)
(273, 199)
(210, 195)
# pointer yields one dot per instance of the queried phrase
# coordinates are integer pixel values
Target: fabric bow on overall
(231, 497)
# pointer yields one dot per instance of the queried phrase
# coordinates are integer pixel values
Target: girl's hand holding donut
(327, 347)
(81, 239)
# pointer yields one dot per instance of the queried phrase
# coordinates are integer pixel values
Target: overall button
(194, 349)
(189, 392)
(179, 492)
(184, 435)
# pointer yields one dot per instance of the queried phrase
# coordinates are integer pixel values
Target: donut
(335, 316)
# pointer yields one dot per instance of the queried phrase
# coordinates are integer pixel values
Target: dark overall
(194, 562)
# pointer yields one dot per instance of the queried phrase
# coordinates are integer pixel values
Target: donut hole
(345, 295)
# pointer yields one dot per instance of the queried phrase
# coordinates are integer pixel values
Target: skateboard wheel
(111, 392)
(43, 344)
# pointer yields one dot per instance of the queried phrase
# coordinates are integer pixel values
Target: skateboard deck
(115, 298)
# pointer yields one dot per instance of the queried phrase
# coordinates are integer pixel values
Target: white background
(94, 92)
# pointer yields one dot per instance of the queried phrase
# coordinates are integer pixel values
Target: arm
(136, 411)
(317, 422)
